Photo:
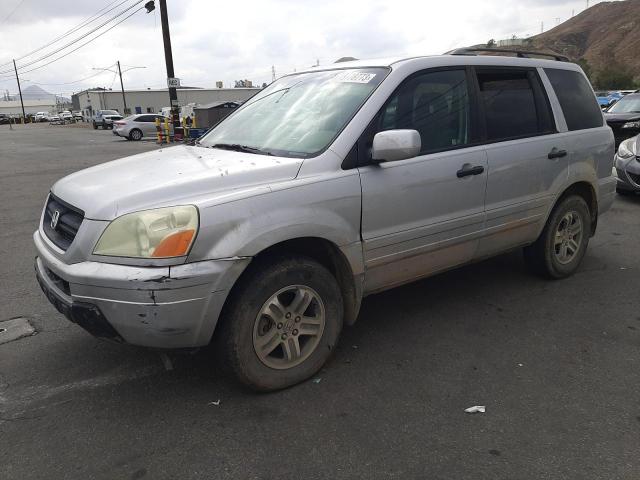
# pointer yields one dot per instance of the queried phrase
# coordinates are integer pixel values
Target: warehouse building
(153, 100)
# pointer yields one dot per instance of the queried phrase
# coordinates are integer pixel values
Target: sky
(226, 40)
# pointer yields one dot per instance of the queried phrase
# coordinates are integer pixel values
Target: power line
(89, 41)
(47, 55)
(12, 12)
(82, 24)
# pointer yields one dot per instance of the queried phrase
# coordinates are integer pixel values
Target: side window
(145, 118)
(436, 104)
(574, 93)
(514, 104)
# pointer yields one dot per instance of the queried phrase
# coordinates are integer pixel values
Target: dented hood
(169, 176)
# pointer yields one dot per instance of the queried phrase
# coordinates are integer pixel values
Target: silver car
(329, 185)
(627, 164)
(134, 127)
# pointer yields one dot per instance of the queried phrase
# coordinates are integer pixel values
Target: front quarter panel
(325, 206)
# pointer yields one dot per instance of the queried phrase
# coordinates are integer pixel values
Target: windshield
(109, 112)
(626, 105)
(298, 115)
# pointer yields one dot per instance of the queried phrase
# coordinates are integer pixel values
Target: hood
(621, 117)
(169, 176)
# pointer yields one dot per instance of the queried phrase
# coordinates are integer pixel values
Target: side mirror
(395, 145)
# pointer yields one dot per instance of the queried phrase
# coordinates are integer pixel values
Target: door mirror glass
(392, 145)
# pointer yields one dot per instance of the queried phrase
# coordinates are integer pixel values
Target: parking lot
(557, 365)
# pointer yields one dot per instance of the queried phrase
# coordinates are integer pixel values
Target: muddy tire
(562, 244)
(282, 323)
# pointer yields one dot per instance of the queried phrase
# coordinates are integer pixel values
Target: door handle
(468, 169)
(555, 153)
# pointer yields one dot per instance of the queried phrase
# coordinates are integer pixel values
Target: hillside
(606, 35)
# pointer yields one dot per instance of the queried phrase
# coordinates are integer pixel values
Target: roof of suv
(442, 60)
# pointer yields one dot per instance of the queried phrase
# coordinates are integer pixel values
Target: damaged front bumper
(162, 307)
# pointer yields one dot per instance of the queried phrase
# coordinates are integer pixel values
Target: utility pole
(124, 100)
(168, 57)
(24, 117)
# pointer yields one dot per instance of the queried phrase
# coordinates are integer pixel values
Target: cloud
(232, 40)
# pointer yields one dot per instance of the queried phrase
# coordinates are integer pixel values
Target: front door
(424, 214)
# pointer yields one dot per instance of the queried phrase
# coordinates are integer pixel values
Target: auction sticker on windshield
(354, 77)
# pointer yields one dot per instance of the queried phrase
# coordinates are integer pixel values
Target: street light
(119, 72)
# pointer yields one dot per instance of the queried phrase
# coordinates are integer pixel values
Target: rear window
(513, 103)
(581, 110)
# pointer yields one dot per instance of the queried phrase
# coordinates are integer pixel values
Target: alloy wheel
(289, 327)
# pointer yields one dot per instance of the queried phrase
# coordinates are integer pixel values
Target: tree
(615, 77)
(491, 43)
(584, 64)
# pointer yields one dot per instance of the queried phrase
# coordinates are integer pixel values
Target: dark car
(624, 117)
(4, 119)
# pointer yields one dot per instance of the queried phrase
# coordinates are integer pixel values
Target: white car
(41, 116)
(66, 116)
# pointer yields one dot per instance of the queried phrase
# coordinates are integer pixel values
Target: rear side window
(580, 109)
(514, 104)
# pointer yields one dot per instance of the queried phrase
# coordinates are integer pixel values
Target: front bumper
(162, 307)
(628, 173)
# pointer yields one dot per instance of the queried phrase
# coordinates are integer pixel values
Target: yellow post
(166, 130)
(193, 120)
(158, 131)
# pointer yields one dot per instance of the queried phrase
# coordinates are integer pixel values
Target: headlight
(635, 125)
(160, 233)
(626, 148)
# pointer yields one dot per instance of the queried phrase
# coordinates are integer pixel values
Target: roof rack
(517, 53)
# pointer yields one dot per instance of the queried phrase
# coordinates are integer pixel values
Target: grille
(69, 220)
(635, 177)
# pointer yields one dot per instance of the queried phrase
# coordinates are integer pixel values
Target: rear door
(147, 124)
(527, 157)
(424, 214)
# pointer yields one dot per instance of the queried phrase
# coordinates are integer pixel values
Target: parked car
(54, 119)
(105, 119)
(66, 116)
(77, 116)
(134, 127)
(604, 100)
(4, 119)
(329, 185)
(624, 117)
(627, 164)
(41, 116)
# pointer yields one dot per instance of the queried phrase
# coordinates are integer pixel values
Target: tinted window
(146, 118)
(574, 93)
(436, 104)
(510, 105)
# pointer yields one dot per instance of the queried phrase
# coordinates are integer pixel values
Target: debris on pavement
(14, 329)
(166, 361)
(475, 409)
(216, 403)
(316, 380)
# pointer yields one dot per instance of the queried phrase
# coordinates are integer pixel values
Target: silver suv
(329, 185)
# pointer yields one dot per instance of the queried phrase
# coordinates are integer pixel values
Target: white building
(153, 100)
(13, 107)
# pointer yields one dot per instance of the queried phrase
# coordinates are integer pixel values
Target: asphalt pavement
(557, 365)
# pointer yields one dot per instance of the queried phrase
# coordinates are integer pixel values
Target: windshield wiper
(236, 147)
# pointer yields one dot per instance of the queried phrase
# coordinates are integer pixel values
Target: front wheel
(282, 323)
(135, 134)
(562, 244)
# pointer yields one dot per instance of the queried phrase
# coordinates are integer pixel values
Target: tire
(135, 134)
(554, 255)
(95, 125)
(245, 328)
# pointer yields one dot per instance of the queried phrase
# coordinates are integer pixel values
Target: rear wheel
(135, 134)
(561, 247)
(282, 323)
